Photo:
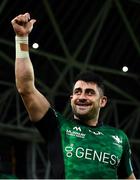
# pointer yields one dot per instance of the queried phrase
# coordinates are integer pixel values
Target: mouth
(83, 104)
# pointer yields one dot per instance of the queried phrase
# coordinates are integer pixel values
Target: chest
(92, 144)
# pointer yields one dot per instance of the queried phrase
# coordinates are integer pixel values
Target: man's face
(86, 100)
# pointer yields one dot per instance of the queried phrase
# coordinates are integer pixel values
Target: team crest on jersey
(117, 139)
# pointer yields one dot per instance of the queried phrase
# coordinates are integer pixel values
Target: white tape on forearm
(22, 53)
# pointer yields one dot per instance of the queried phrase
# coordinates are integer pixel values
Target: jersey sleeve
(49, 128)
(48, 125)
(125, 167)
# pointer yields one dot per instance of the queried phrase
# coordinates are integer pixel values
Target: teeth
(82, 104)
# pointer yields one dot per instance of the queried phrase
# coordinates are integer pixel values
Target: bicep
(36, 104)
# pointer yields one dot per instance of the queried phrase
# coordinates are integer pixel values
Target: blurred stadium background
(73, 36)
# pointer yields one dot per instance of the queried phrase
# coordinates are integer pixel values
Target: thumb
(30, 24)
(33, 21)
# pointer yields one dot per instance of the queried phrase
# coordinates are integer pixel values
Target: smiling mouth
(83, 104)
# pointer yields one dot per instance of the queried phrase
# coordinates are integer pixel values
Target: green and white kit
(78, 151)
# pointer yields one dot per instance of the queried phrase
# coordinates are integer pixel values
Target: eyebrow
(89, 89)
(86, 90)
(77, 89)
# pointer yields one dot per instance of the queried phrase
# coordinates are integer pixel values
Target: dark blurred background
(73, 36)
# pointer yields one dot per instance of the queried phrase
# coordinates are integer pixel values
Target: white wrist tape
(22, 49)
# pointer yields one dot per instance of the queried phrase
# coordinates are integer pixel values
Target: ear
(103, 101)
(71, 96)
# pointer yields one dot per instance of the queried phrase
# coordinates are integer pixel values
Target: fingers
(21, 19)
(22, 24)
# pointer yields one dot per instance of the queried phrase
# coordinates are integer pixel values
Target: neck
(90, 122)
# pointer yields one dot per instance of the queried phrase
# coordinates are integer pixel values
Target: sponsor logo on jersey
(96, 133)
(76, 131)
(91, 155)
(77, 128)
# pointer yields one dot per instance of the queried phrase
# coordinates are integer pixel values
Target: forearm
(23, 67)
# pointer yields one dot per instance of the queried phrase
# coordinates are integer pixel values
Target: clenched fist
(22, 24)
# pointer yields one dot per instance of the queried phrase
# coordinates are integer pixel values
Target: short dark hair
(89, 76)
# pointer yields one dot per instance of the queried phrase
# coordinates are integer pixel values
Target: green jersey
(78, 151)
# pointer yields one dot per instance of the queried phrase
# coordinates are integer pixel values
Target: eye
(90, 93)
(77, 91)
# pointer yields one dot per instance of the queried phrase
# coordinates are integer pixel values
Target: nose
(82, 96)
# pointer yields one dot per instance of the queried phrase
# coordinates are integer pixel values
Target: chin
(83, 117)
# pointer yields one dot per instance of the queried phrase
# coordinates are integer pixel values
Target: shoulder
(62, 120)
(115, 132)
(113, 129)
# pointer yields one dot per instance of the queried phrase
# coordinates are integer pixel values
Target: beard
(85, 114)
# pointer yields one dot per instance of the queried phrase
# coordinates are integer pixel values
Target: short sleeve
(49, 128)
(125, 167)
(48, 124)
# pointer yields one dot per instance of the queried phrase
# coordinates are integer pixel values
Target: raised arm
(35, 103)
